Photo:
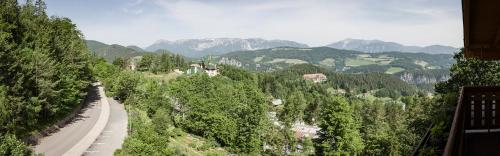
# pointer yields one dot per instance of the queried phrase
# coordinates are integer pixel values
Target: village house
(277, 102)
(206, 66)
(178, 71)
(131, 67)
(316, 78)
(303, 130)
(132, 62)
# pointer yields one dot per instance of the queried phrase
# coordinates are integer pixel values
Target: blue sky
(313, 22)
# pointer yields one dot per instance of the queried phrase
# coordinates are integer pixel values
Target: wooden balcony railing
(476, 124)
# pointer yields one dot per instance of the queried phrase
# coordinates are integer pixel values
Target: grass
(195, 146)
(358, 62)
(370, 97)
(393, 70)
(328, 62)
(162, 76)
(364, 55)
(258, 59)
(421, 63)
(381, 60)
(366, 59)
(289, 61)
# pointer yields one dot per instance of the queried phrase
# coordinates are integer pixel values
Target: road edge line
(82, 145)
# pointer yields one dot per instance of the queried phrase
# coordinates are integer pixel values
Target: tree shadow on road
(91, 100)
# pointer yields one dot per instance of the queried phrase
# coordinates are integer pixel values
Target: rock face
(217, 46)
(412, 78)
(374, 46)
(229, 61)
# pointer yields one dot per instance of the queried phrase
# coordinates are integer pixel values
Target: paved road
(77, 136)
(58, 143)
(114, 134)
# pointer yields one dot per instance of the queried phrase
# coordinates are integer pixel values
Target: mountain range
(216, 46)
(196, 48)
(375, 46)
(414, 68)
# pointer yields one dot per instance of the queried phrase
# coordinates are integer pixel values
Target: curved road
(99, 116)
(114, 134)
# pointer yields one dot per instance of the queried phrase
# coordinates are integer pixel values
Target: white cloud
(314, 22)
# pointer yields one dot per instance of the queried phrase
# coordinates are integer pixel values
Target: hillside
(414, 68)
(374, 46)
(217, 46)
(111, 52)
(338, 60)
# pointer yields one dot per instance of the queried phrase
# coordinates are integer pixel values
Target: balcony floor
(482, 144)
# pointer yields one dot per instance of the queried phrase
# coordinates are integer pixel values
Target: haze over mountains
(217, 46)
(196, 48)
(375, 46)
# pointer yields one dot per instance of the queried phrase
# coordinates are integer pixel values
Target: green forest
(231, 112)
(44, 71)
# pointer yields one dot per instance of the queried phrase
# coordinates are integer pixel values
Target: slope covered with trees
(112, 52)
(44, 71)
(339, 60)
(232, 111)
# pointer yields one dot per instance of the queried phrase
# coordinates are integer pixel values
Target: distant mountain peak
(374, 46)
(216, 46)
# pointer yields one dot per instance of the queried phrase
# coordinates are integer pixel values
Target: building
(131, 67)
(194, 68)
(206, 66)
(316, 78)
(303, 130)
(133, 62)
(277, 102)
(211, 70)
(177, 71)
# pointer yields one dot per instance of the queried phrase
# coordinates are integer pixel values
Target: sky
(313, 22)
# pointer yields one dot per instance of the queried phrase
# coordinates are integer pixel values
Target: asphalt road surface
(71, 136)
(60, 142)
(114, 134)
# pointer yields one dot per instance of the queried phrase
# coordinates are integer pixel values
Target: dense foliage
(466, 72)
(382, 85)
(231, 112)
(339, 134)
(44, 70)
(161, 63)
(470, 72)
(233, 109)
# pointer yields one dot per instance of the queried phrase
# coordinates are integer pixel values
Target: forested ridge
(338, 59)
(44, 71)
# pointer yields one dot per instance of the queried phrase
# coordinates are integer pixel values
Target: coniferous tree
(339, 133)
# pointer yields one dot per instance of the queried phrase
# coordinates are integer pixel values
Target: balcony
(476, 125)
